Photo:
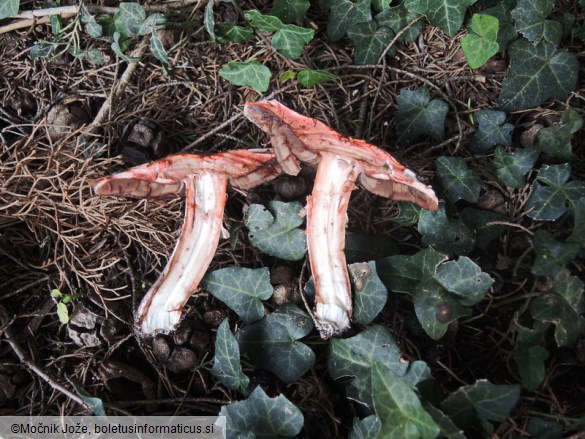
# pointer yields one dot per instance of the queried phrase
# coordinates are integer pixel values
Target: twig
(120, 87)
(48, 378)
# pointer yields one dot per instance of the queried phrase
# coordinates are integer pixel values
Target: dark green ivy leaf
(483, 399)
(366, 428)
(447, 236)
(556, 140)
(401, 273)
(435, 308)
(531, 22)
(459, 182)
(260, 416)
(397, 18)
(129, 19)
(480, 221)
(232, 33)
(226, 363)
(552, 308)
(344, 14)
(289, 10)
(578, 233)
(568, 287)
(157, 49)
(530, 361)
(465, 279)
(9, 8)
(511, 167)
(553, 193)
(506, 31)
(408, 213)
(242, 289)
(446, 14)
(118, 43)
(362, 248)
(399, 408)
(370, 41)
(551, 255)
(492, 131)
(370, 294)
(418, 115)
(536, 74)
(275, 230)
(272, 343)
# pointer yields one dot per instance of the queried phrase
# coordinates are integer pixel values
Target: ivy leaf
(362, 248)
(290, 40)
(9, 8)
(465, 279)
(552, 193)
(232, 33)
(511, 167)
(492, 131)
(459, 182)
(370, 41)
(157, 49)
(290, 10)
(226, 364)
(344, 14)
(552, 308)
(367, 428)
(536, 74)
(551, 255)
(483, 399)
(435, 308)
(401, 273)
(117, 42)
(92, 27)
(447, 236)
(355, 357)
(129, 19)
(578, 233)
(264, 23)
(398, 407)
(250, 73)
(419, 115)
(272, 343)
(370, 293)
(310, 78)
(530, 361)
(568, 287)
(41, 50)
(275, 231)
(209, 19)
(397, 18)
(241, 289)
(531, 22)
(479, 220)
(482, 43)
(408, 213)
(446, 14)
(262, 416)
(506, 32)
(556, 140)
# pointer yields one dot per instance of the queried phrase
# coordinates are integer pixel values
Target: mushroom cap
(163, 178)
(295, 136)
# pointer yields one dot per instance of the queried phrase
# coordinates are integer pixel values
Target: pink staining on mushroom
(204, 180)
(340, 162)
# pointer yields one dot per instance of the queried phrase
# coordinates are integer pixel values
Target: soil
(106, 252)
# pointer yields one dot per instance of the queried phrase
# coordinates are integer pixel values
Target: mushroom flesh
(340, 162)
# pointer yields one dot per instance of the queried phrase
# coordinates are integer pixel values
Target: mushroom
(340, 162)
(204, 180)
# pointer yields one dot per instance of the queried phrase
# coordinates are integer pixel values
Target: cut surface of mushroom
(340, 162)
(203, 180)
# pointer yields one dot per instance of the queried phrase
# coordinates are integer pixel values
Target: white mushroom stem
(205, 198)
(326, 223)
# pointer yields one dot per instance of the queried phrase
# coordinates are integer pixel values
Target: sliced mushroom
(204, 180)
(340, 162)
